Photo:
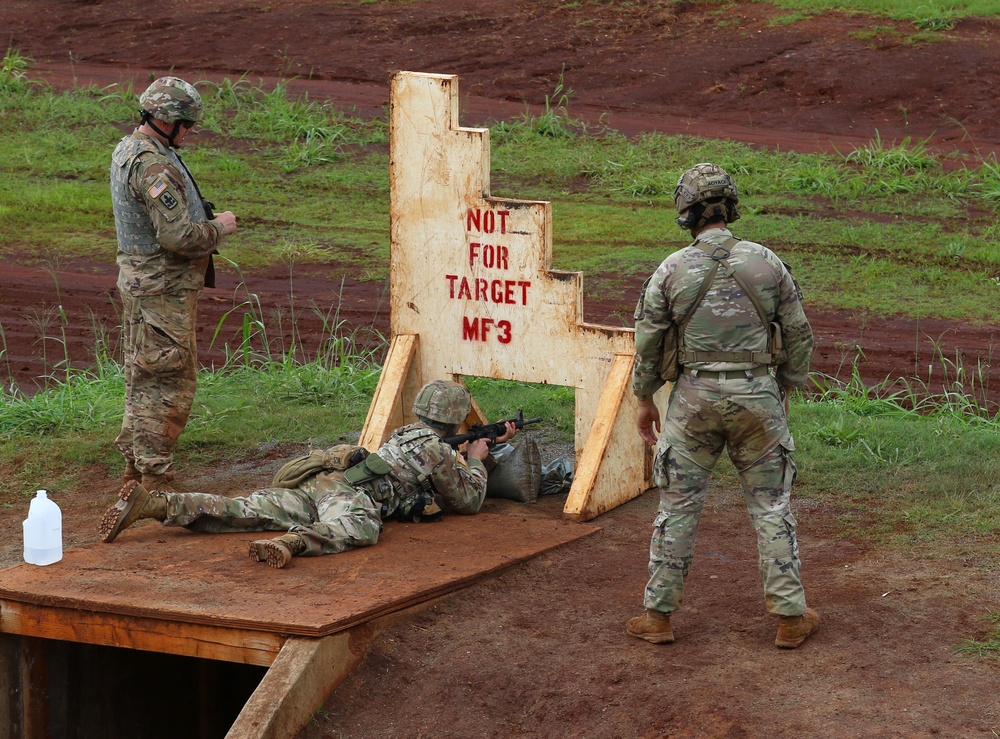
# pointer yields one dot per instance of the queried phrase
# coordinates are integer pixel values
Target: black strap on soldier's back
(720, 256)
(210, 215)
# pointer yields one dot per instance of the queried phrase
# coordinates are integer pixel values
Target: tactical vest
(136, 234)
(775, 353)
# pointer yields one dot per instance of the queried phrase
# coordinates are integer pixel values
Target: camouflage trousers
(704, 416)
(161, 364)
(339, 519)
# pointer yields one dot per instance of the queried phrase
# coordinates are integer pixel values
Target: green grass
(933, 15)
(305, 178)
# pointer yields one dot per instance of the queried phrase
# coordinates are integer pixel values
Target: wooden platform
(171, 590)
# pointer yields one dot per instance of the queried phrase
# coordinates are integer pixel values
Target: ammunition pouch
(369, 468)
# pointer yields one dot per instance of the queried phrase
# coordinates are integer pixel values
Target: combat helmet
(704, 193)
(172, 101)
(444, 402)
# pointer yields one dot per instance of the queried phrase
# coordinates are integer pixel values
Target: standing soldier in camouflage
(718, 316)
(337, 499)
(166, 238)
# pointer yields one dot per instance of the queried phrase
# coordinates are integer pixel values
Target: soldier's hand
(478, 449)
(648, 421)
(228, 221)
(511, 430)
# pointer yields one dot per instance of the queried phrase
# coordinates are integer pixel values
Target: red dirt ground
(540, 649)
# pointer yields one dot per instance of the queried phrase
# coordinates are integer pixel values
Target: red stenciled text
(488, 255)
(502, 292)
(486, 221)
(479, 329)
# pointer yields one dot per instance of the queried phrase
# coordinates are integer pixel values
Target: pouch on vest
(367, 469)
(670, 366)
(776, 345)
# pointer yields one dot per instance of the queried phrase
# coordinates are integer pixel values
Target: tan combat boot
(134, 503)
(158, 483)
(793, 630)
(653, 626)
(277, 552)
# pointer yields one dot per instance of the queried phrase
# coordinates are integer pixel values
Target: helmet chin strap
(147, 118)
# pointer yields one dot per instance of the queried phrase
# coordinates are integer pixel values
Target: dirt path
(540, 650)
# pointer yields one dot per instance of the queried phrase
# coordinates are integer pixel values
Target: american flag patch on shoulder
(158, 188)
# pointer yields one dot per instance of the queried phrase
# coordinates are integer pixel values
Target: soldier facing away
(166, 238)
(722, 317)
(338, 499)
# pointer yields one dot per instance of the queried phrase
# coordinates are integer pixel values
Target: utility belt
(723, 375)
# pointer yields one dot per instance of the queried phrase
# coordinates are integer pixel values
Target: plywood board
(172, 574)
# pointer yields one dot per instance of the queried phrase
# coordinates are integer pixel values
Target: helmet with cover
(444, 402)
(705, 193)
(171, 99)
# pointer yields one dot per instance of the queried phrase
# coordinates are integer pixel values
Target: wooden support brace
(387, 411)
(587, 498)
(304, 674)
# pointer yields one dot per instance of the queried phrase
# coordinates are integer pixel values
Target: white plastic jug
(43, 531)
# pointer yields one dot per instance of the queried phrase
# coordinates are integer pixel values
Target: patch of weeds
(13, 69)
(789, 19)
(989, 647)
(934, 17)
(875, 32)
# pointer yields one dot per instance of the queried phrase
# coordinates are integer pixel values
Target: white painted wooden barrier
(472, 294)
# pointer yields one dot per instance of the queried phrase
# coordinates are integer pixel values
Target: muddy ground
(540, 650)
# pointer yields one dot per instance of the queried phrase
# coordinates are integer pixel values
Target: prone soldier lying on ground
(338, 499)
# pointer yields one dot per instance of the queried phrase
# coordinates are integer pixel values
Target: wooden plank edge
(225, 643)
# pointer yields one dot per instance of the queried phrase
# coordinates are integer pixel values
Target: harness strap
(719, 255)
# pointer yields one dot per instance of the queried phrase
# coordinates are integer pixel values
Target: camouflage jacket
(164, 236)
(417, 453)
(726, 319)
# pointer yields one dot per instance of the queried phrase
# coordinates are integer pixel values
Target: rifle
(490, 431)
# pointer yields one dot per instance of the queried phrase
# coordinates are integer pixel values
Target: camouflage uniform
(742, 410)
(332, 515)
(164, 245)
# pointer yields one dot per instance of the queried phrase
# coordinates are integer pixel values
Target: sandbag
(515, 470)
(557, 477)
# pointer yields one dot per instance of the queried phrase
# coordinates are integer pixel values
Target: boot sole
(793, 643)
(274, 554)
(653, 638)
(111, 521)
